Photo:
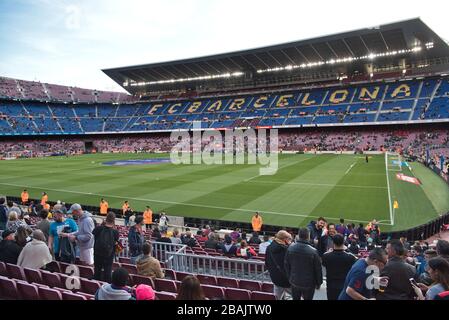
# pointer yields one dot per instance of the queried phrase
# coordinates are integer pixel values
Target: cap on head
(75, 207)
(6, 233)
(58, 211)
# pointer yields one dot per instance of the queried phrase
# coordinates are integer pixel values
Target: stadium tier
(399, 101)
(32, 90)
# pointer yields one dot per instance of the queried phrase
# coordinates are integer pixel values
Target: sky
(68, 42)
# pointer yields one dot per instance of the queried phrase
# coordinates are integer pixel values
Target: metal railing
(175, 257)
(217, 266)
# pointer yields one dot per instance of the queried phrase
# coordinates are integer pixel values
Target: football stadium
(259, 174)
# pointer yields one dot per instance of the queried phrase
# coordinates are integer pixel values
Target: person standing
(104, 207)
(126, 212)
(83, 236)
(318, 235)
(257, 222)
(60, 225)
(24, 196)
(136, 239)
(398, 272)
(148, 217)
(337, 264)
(355, 286)
(44, 224)
(274, 262)
(44, 199)
(3, 214)
(163, 222)
(106, 238)
(303, 267)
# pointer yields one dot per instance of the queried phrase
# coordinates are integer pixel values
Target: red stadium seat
(166, 295)
(237, 294)
(49, 294)
(72, 282)
(124, 260)
(53, 266)
(8, 289)
(40, 285)
(33, 275)
(213, 292)
(204, 279)
(165, 285)
(72, 296)
(87, 295)
(15, 272)
(27, 291)
(137, 279)
(116, 265)
(181, 275)
(3, 271)
(256, 295)
(250, 285)
(228, 282)
(53, 280)
(86, 272)
(89, 286)
(267, 287)
(132, 269)
(170, 274)
(63, 267)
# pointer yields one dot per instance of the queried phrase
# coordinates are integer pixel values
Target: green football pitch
(305, 187)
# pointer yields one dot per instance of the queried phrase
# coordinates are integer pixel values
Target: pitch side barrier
(180, 258)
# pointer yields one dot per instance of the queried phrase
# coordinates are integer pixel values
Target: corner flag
(395, 204)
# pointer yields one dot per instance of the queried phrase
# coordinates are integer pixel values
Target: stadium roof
(410, 39)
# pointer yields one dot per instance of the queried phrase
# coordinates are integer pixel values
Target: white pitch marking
(175, 203)
(389, 192)
(349, 169)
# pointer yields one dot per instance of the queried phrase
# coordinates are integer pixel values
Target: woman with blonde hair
(13, 221)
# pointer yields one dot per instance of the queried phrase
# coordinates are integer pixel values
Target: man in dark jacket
(398, 272)
(3, 214)
(188, 239)
(212, 241)
(337, 264)
(228, 247)
(255, 239)
(106, 238)
(9, 249)
(274, 262)
(317, 236)
(303, 267)
(136, 239)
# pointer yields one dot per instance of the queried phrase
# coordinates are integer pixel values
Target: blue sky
(69, 42)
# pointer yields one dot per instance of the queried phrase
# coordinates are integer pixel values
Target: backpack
(105, 243)
(67, 252)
